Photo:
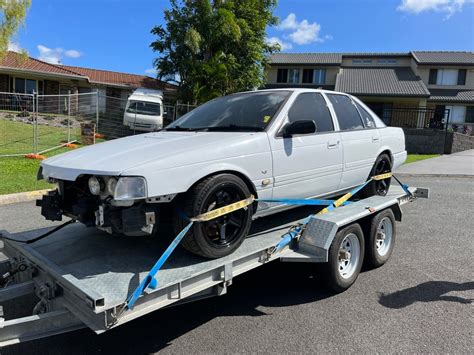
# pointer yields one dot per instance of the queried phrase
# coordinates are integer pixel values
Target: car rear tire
(221, 236)
(382, 165)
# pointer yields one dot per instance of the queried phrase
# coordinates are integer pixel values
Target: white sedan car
(282, 143)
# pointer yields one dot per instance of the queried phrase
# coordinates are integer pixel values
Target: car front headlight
(95, 185)
(130, 188)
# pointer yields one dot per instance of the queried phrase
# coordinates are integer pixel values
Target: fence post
(35, 122)
(97, 111)
(69, 116)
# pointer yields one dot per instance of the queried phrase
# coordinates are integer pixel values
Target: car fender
(184, 177)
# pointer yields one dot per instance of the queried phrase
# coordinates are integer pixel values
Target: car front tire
(221, 236)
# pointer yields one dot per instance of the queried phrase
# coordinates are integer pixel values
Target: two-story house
(390, 83)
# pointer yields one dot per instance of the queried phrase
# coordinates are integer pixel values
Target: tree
(214, 47)
(13, 13)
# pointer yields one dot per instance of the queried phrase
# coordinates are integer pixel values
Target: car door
(307, 165)
(360, 140)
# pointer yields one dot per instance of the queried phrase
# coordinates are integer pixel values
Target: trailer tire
(345, 258)
(205, 238)
(381, 239)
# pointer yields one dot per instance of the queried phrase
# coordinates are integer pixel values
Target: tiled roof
(452, 95)
(15, 61)
(422, 57)
(112, 77)
(376, 54)
(306, 58)
(395, 81)
(440, 57)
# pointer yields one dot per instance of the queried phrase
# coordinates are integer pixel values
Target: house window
(447, 77)
(316, 76)
(469, 114)
(19, 85)
(25, 86)
(319, 76)
(282, 75)
(293, 76)
(462, 76)
(308, 76)
(457, 114)
(387, 61)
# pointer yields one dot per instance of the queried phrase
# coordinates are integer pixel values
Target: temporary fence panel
(17, 124)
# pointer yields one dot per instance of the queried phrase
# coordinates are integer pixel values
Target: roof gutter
(42, 73)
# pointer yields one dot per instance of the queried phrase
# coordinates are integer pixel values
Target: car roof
(299, 90)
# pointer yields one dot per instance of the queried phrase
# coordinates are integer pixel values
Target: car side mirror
(299, 127)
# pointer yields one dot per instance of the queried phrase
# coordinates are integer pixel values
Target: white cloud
(14, 46)
(447, 6)
(151, 71)
(72, 53)
(302, 32)
(289, 23)
(55, 55)
(283, 45)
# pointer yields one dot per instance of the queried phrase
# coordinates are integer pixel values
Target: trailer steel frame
(81, 277)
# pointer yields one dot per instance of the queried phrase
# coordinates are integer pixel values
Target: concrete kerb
(22, 196)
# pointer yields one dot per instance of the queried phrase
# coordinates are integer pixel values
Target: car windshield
(144, 108)
(245, 112)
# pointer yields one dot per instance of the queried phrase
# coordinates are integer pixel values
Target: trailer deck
(83, 276)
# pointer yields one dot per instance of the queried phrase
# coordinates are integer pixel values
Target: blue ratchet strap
(150, 280)
(405, 187)
(290, 236)
(302, 202)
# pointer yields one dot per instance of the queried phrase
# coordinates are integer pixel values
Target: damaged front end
(115, 205)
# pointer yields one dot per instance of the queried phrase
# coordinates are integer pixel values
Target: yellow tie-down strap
(218, 212)
(382, 176)
(347, 196)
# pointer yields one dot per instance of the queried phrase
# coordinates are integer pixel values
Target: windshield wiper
(234, 127)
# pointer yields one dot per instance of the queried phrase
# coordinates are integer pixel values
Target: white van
(144, 110)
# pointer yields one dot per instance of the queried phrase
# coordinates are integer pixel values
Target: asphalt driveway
(420, 302)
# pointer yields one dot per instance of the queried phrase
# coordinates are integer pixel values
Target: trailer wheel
(346, 255)
(381, 239)
(221, 236)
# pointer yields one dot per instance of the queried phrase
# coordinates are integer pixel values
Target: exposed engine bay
(90, 200)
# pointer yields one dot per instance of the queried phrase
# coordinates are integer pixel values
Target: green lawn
(417, 157)
(17, 137)
(18, 174)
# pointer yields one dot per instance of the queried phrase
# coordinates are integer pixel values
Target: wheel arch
(239, 174)
(386, 150)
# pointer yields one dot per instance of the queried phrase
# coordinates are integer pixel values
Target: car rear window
(347, 114)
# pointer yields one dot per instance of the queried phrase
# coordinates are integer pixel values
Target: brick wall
(461, 142)
(424, 141)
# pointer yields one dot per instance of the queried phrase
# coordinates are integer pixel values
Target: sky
(115, 35)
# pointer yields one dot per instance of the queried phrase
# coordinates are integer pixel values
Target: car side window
(347, 114)
(311, 106)
(366, 117)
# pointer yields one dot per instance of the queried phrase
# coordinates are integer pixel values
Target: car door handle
(333, 145)
(375, 139)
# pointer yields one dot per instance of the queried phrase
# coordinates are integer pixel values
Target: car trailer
(80, 277)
